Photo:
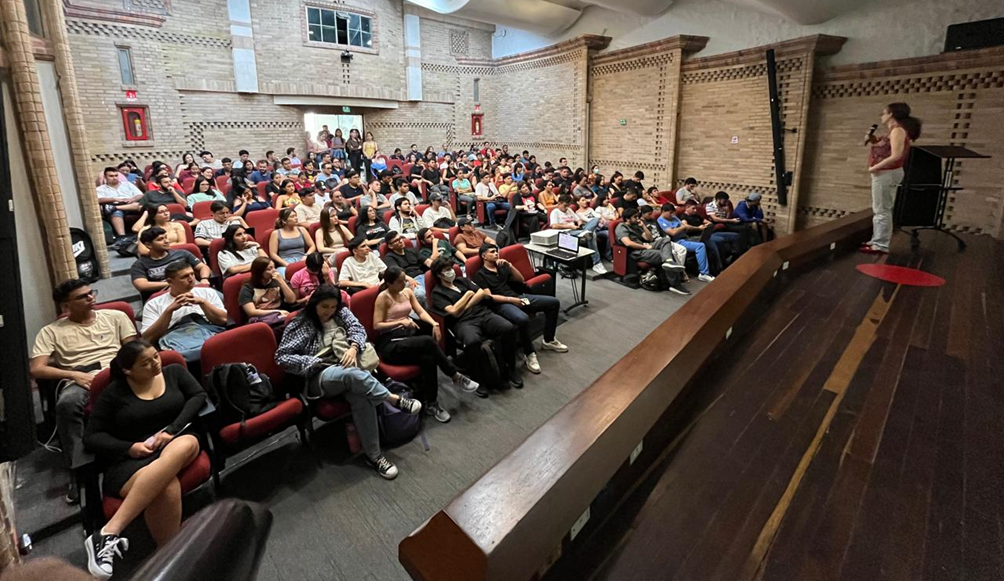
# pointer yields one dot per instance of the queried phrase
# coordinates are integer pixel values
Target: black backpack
(239, 392)
(83, 251)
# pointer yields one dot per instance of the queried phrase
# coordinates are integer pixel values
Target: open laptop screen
(568, 242)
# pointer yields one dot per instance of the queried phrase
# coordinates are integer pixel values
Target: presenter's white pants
(884, 185)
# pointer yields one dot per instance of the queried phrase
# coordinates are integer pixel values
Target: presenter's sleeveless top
(883, 149)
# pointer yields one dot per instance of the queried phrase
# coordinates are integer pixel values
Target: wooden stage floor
(854, 433)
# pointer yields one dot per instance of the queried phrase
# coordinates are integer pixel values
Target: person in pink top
(886, 157)
(316, 272)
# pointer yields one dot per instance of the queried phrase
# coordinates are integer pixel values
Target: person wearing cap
(439, 212)
(749, 212)
(469, 240)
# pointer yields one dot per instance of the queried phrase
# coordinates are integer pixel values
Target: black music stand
(929, 174)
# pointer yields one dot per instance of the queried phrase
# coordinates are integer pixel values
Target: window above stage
(331, 26)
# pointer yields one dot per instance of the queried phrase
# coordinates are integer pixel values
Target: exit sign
(623, 121)
(346, 109)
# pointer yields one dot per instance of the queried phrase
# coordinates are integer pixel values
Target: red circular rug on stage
(901, 275)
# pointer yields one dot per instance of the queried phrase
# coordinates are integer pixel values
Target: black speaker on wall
(973, 35)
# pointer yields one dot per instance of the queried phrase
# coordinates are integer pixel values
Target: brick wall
(960, 99)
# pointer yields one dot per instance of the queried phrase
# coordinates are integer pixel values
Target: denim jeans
(699, 250)
(490, 208)
(590, 243)
(465, 201)
(364, 393)
(602, 235)
(420, 290)
(884, 185)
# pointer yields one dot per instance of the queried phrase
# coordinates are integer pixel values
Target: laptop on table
(568, 247)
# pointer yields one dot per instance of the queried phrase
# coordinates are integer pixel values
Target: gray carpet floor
(335, 519)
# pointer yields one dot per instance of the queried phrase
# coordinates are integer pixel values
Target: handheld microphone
(871, 133)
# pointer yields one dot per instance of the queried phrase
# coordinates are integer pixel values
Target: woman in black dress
(138, 430)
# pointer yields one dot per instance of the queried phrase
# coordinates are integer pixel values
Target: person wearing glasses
(70, 352)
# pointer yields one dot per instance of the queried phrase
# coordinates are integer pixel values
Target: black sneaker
(481, 392)
(516, 378)
(384, 467)
(408, 405)
(679, 289)
(101, 552)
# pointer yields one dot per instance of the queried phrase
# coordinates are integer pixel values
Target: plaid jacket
(301, 340)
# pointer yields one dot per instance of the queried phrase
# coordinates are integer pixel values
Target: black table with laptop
(569, 254)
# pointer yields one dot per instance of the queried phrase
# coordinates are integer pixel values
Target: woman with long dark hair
(371, 227)
(289, 242)
(338, 145)
(326, 345)
(289, 196)
(204, 190)
(239, 250)
(354, 149)
(158, 215)
(139, 432)
(266, 297)
(331, 235)
(886, 158)
(370, 150)
(403, 340)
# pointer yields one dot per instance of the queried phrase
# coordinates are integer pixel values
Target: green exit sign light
(623, 121)
(346, 109)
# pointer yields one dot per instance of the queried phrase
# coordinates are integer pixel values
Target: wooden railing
(507, 524)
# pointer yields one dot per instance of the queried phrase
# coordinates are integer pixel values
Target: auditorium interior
(693, 290)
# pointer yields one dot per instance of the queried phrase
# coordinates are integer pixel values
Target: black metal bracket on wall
(782, 177)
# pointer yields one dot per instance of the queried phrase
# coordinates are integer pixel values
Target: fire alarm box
(134, 122)
(477, 127)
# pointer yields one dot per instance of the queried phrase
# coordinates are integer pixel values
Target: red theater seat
(231, 295)
(541, 283)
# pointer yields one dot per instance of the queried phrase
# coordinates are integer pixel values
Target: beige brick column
(70, 97)
(35, 135)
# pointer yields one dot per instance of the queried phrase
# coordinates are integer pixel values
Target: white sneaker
(532, 365)
(433, 410)
(670, 265)
(555, 345)
(705, 277)
(598, 268)
(466, 384)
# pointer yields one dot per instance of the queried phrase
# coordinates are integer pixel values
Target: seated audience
(371, 227)
(70, 351)
(148, 272)
(487, 339)
(289, 196)
(331, 236)
(289, 242)
(657, 251)
(687, 192)
(308, 211)
(266, 297)
(563, 218)
(187, 161)
(432, 178)
(160, 217)
(274, 189)
(209, 161)
(118, 197)
(530, 213)
(750, 214)
(408, 259)
(140, 431)
(593, 222)
(353, 188)
(373, 197)
(627, 200)
(208, 230)
(362, 269)
(493, 198)
(405, 221)
(185, 316)
(470, 239)
(681, 233)
(344, 208)
(506, 284)
(326, 345)
(403, 192)
(164, 191)
(439, 216)
(549, 196)
(262, 173)
(431, 247)
(249, 201)
(239, 250)
(204, 191)
(407, 335)
(465, 193)
(316, 271)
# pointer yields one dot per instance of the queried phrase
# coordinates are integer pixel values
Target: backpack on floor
(239, 392)
(88, 269)
(649, 281)
(397, 427)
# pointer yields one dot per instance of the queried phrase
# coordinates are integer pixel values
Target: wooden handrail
(507, 523)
